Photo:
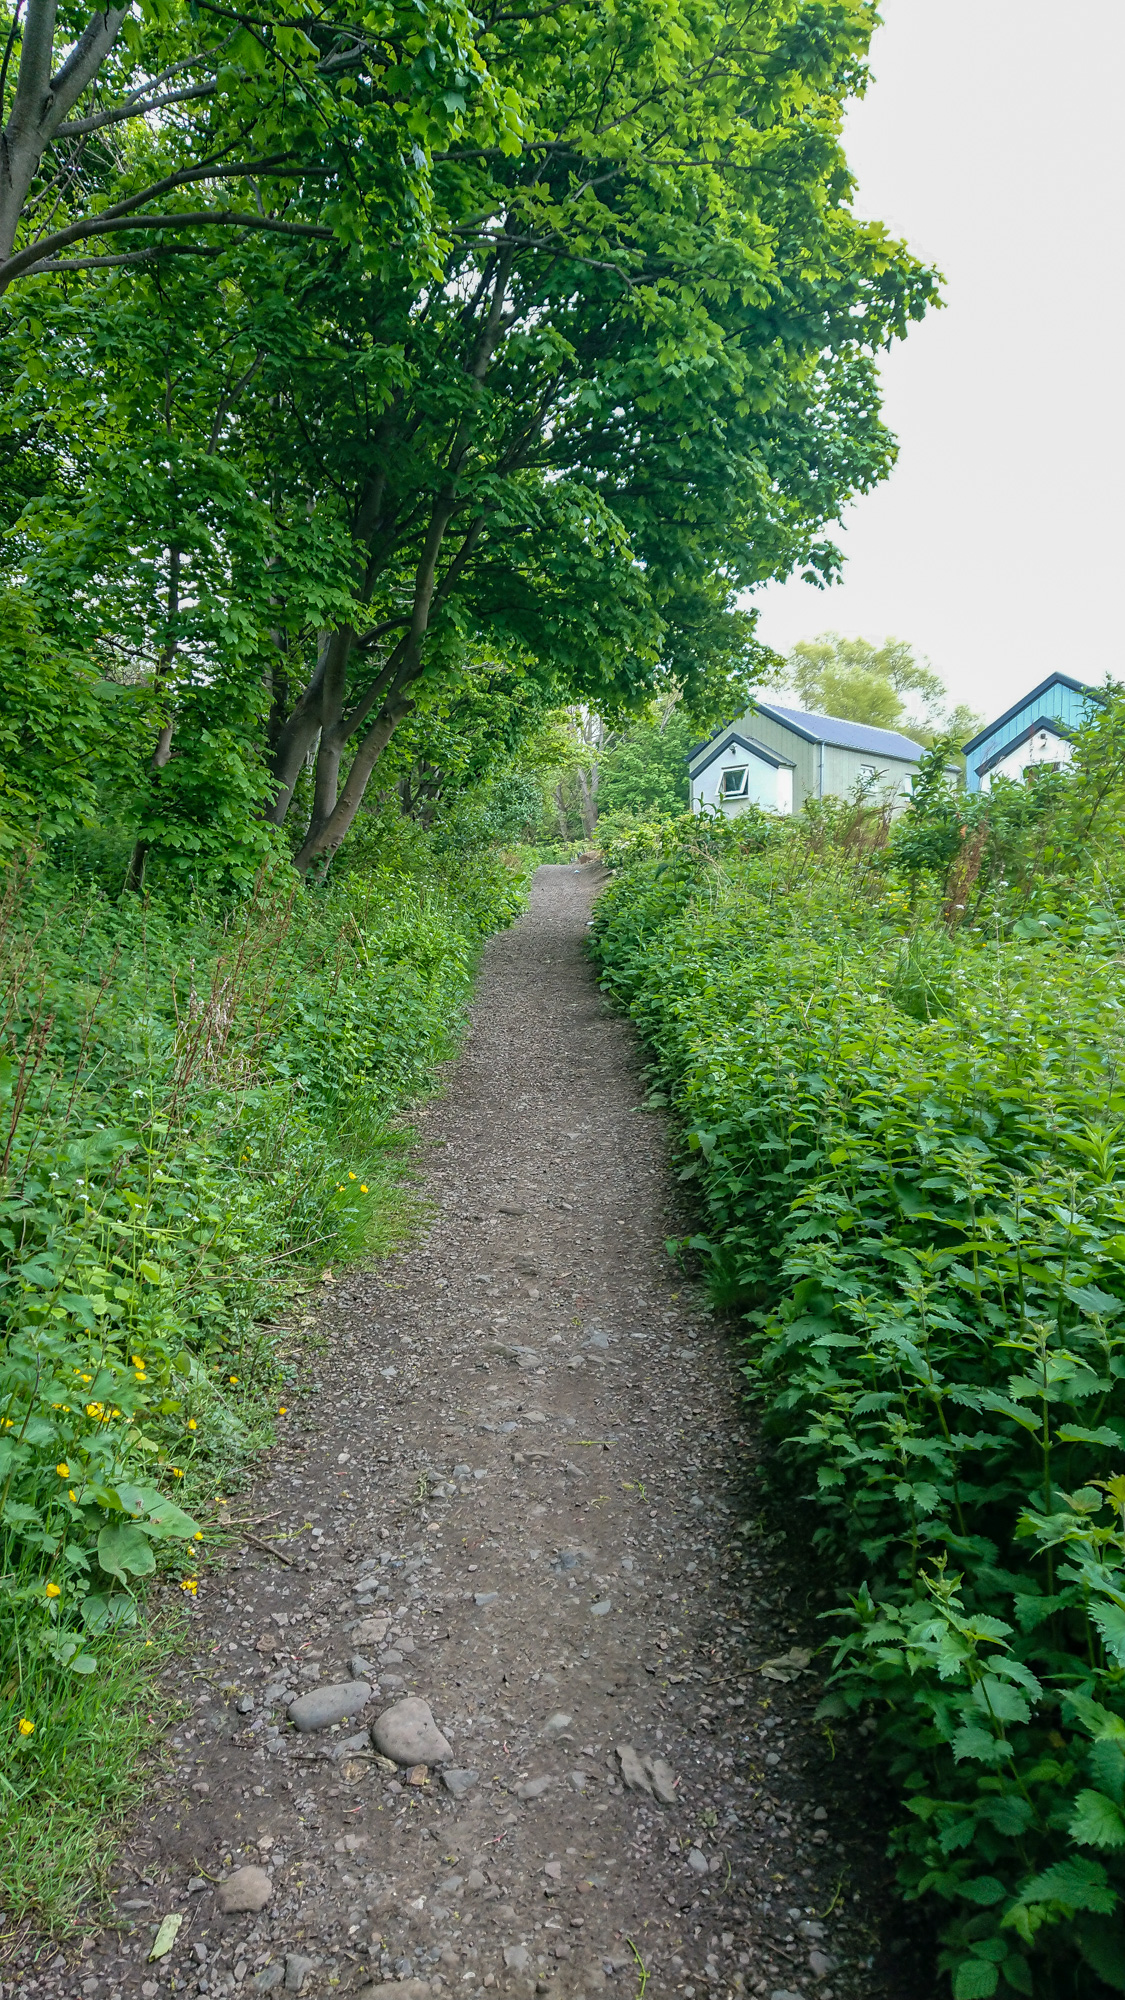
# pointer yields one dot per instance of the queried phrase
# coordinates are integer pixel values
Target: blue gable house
(1036, 731)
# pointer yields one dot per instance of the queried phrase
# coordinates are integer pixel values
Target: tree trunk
(43, 100)
(162, 751)
(588, 797)
(387, 697)
(326, 838)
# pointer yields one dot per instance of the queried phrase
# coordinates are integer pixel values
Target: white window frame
(729, 791)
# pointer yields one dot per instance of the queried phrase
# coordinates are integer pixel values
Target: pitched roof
(722, 741)
(1025, 701)
(846, 735)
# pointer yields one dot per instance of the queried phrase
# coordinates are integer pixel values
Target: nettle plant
(912, 1190)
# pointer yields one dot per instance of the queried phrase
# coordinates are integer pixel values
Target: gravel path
(519, 1493)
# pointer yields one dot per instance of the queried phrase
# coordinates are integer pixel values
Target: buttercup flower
(233, 1380)
(177, 1472)
(191, 1424)
(53, 1590)
(363, 1187)
(72, 1495)
(190, 1583)
(26, 1728)
(351, 1176)
(63, 1470)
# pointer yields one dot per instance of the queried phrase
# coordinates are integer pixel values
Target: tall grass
(198, 1107)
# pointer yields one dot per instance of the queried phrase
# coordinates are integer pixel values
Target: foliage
(646, 768)
(194, 1106)
(552, 386)
(906, 1138)
(885, 685)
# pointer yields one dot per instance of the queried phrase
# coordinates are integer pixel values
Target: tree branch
(199, 218)
(133, 107)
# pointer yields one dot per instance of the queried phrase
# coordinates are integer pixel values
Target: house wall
(1045, 747)
(767, 786)
(842, 769)
(1070, 706)
(776, 737)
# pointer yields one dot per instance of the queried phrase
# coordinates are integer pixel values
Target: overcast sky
(993, 140)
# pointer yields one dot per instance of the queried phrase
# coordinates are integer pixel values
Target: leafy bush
(194, 1105)
(909, 1153)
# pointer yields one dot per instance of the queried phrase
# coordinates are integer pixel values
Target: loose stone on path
(517, 1491)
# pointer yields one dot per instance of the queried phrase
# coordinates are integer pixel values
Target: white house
(780, 757)
(1036, 731)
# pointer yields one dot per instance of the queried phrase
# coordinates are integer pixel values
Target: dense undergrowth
(898, 1067)
(199, 1106)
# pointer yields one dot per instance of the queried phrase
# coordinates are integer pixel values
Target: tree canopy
(532, 342)
(887, 686)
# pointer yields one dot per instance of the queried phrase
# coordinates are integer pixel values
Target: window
(734, 782)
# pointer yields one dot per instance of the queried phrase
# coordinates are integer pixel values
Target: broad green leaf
(983, 1889)
(1076, 1884)
(1096, 1821)
(125, 1552)
(975, 1979)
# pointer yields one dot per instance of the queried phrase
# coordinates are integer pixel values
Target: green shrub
(195, 1105)
(909, 1152)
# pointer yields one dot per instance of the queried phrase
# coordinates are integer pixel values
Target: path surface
(523, 1468)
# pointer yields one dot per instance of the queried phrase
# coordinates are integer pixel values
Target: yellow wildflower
(95, 1409)
(177, 1472)
(191, 1424)
(190, 1583)
(283, 1411)
(26, 1728)
(363, 1187)
(233, 1380)
(198, 1535)
(72, 1495)
(63, 1470)
(53, 1590)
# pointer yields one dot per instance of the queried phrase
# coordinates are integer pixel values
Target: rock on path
(516, 1490)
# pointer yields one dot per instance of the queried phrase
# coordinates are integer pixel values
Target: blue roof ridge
(1025, 701)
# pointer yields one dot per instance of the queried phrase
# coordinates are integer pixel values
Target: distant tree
(887, 686)
(646, 770)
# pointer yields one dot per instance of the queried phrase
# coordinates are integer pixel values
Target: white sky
(992, 140)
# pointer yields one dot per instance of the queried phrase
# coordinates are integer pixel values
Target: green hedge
(196, 1105)
(908, 1154)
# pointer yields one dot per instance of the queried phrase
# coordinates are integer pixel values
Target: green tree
(887, 686)
(617, 370)
(646, 771)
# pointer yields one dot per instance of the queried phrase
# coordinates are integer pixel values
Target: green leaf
(1017, 1973)
(1110, 1621)
(125, 1552)
(1096, 1821)
(166, 1936)
(980, 1745)
(983, 1889)
(1076, 1884)
(1102, 1944)
(1000, 1699)
(975, 1979)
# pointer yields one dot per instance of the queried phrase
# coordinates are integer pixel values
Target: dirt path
(517, 1492)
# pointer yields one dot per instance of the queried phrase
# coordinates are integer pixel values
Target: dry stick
(267, 1548)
